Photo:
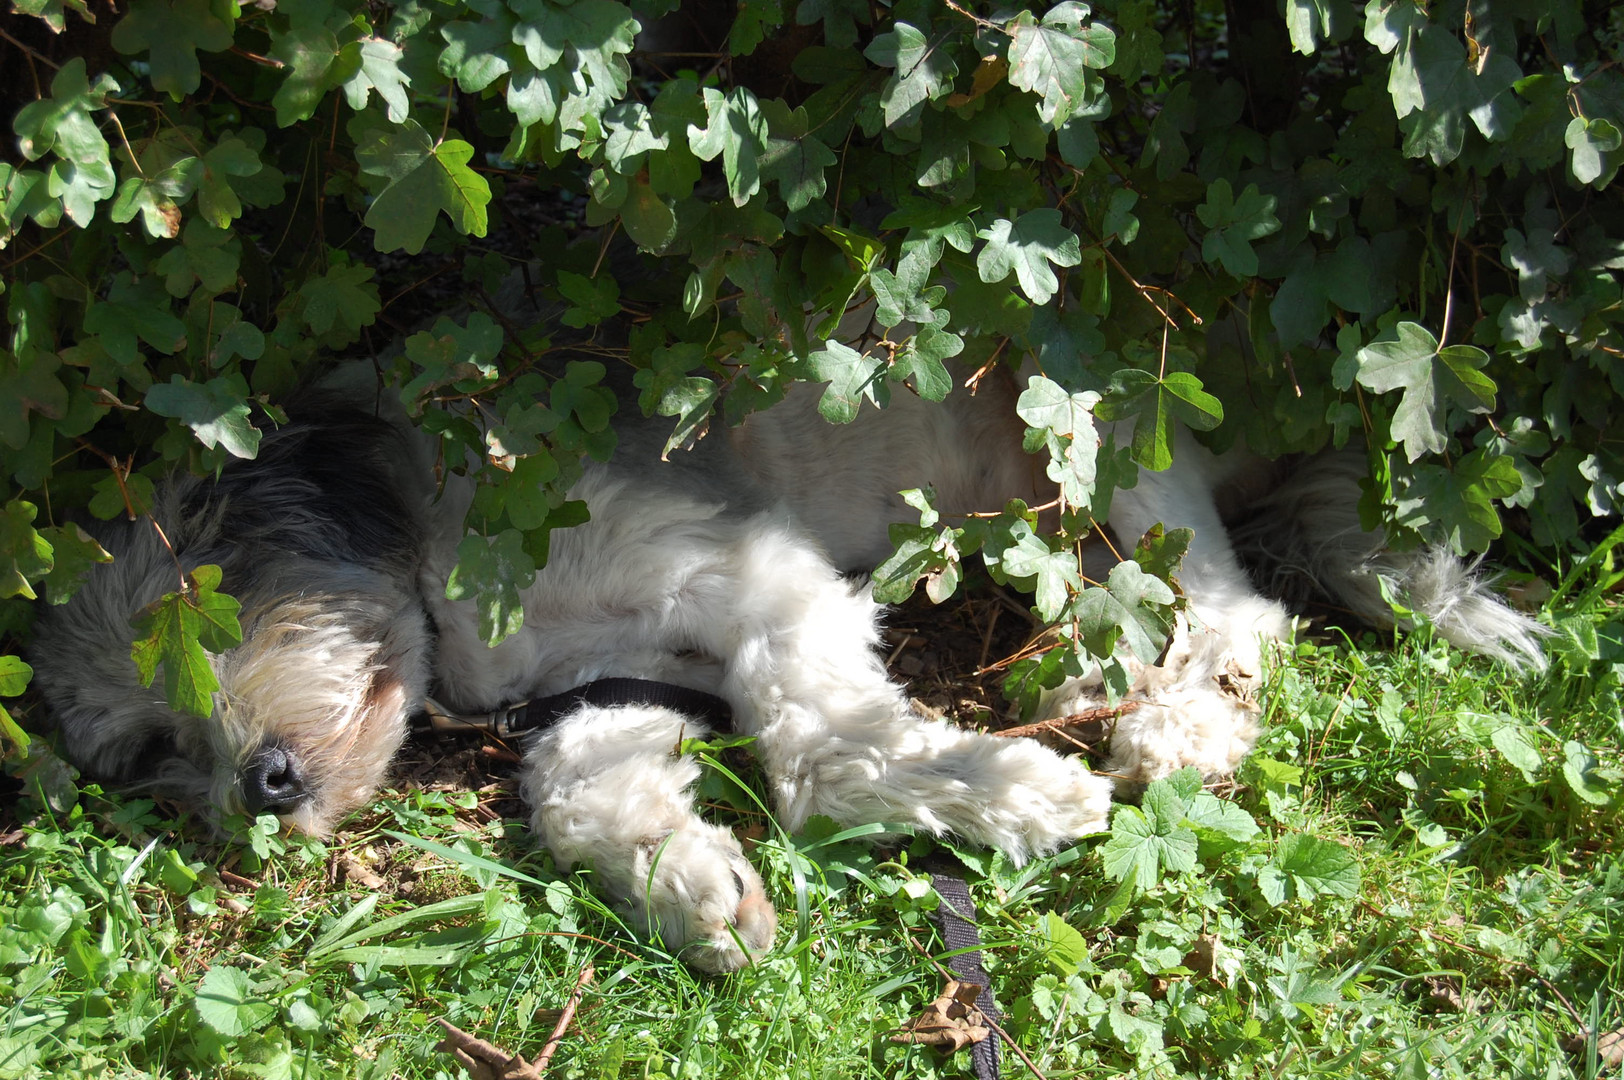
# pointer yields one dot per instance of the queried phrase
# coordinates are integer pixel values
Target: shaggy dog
(719, 571)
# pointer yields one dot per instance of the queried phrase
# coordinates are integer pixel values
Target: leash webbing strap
(956, 918)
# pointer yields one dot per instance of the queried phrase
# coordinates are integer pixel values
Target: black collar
(541, 713)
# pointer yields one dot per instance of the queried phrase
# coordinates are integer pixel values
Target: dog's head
(319, 540)
(311, 709)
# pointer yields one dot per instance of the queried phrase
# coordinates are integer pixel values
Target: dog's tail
(1305, 539)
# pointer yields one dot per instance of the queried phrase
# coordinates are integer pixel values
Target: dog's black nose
(272, 781)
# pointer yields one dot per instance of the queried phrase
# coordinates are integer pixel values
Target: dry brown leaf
(951, 1022)
(1610, 1047)
(1203, 959)
(1444, 994)
(357, 872)
(482, 1060)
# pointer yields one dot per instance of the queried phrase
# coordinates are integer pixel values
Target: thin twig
(1054, 724)
(547, 1051)
(32, 55)
(1461, 945)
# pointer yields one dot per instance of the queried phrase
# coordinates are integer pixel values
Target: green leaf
(313, 58)
(1131, 606)
(14, 675)
(922, 72)
(1052, 58)
(177, 631)
(377, 68)
(1157, 402)
(1026, 246)
(840, 19)
(669, 390)
(27, 387)
(154, 197)
(1582, 771)
(736, 130)
(1018, 555)
(1593, 142)
(1142, 847)
(1064, 948)
(172, 32)
(227, 1002)
(216, 411)
(1407, 358)
(62, 123)
(341, 302)
(425, 179)
(25, 555)
(852, 377)
(1435, 90)
(1537, 259)
(131, 498)
(1307, 21)
(918, 551)
(792, 157)
(474, 51)
(74, 553)
(593, 299)
(53, 12)
(1305, 866)
(1219, 822)
(492, 572)
(1232, 224)
(1515, 746)
(595, 35)
(1459, 502)
(1065, 424)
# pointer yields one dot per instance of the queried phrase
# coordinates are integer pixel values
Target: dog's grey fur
(721, 571)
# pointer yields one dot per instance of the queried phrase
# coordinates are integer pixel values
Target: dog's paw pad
(706, 902)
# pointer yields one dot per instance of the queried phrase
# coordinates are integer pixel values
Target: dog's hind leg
(838, 738)
(1194, 707)
(609, 790)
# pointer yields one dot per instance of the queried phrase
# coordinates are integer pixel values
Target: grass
(1417, 874)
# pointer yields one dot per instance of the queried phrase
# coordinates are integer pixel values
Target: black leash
(541, 713)
(956, 918)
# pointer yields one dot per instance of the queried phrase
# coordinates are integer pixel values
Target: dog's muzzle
(272, 781)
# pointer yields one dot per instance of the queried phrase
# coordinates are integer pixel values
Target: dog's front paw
(697, 892)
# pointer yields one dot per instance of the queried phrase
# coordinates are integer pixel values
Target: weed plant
(1417, 874)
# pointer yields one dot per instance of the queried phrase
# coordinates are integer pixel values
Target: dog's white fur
(721, 572)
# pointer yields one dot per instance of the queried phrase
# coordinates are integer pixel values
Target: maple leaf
(1232, 224)
(1064, 422)
(1132, 605)
(216, 411)
(377, 68)
(1408, 358)
(737, 130)
(852, 376)
(178, 631)
(1053, 58)
(1156, 402)
(172, 32)
(922, 72)
(491, 572)
(1026, 246)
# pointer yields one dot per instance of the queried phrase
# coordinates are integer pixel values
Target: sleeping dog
(721, 572)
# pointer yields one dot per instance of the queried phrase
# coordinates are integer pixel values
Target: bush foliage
(1300, 224)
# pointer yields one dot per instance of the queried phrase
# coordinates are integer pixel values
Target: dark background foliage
(1299, 224)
